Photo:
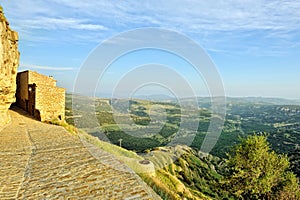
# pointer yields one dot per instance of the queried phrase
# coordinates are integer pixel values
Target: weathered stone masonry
(9, 62)
(38, 95)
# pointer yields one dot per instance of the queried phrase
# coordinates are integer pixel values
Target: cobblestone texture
(42, 161)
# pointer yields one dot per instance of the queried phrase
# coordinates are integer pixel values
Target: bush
(257, 172)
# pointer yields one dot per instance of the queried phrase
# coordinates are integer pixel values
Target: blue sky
(255, 45)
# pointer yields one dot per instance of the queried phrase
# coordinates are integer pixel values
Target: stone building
(38, 95)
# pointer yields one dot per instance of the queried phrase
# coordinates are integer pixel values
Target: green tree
(257, 172)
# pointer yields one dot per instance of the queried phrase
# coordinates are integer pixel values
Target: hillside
(185, 173)
(173, 172)
(178, 172)
(244, 117)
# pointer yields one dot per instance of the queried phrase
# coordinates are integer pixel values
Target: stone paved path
(42, 161)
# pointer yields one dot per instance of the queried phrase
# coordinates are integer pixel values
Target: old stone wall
(9, 62)
(40, 79)
(38, 95)
(50, 101)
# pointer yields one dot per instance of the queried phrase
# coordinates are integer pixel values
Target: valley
(181, 169)
(280, 121)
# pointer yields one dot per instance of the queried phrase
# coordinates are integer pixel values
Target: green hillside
(245, 116)
(181, 171)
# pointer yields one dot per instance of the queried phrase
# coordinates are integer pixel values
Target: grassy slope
(178, 172)
(186, 173)
(189, 176)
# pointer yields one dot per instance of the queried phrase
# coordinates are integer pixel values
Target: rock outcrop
(9, 62)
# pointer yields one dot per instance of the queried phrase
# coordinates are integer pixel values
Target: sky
(254, 45)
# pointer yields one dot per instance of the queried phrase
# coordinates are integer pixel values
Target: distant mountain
(160, 97)
(264, 100)
(206, 101)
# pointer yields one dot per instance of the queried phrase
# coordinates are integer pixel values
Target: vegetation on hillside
(244, 117)
(254, 169)
(189, 175)
(257, 172)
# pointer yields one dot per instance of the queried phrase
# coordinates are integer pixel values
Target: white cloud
(60, 24)
(97, 20)
(191, 15)
(24, 66)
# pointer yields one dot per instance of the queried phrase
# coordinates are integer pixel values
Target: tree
(257, 172)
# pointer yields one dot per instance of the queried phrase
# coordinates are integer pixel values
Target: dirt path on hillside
(42, 161)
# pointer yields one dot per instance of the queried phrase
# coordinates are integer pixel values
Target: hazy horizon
(168, 97)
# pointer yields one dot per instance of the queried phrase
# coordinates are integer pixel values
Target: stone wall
(38, 95)
(9, 62)
(40, 79)
(50, 101)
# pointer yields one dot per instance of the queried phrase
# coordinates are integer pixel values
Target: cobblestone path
(42, 161)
